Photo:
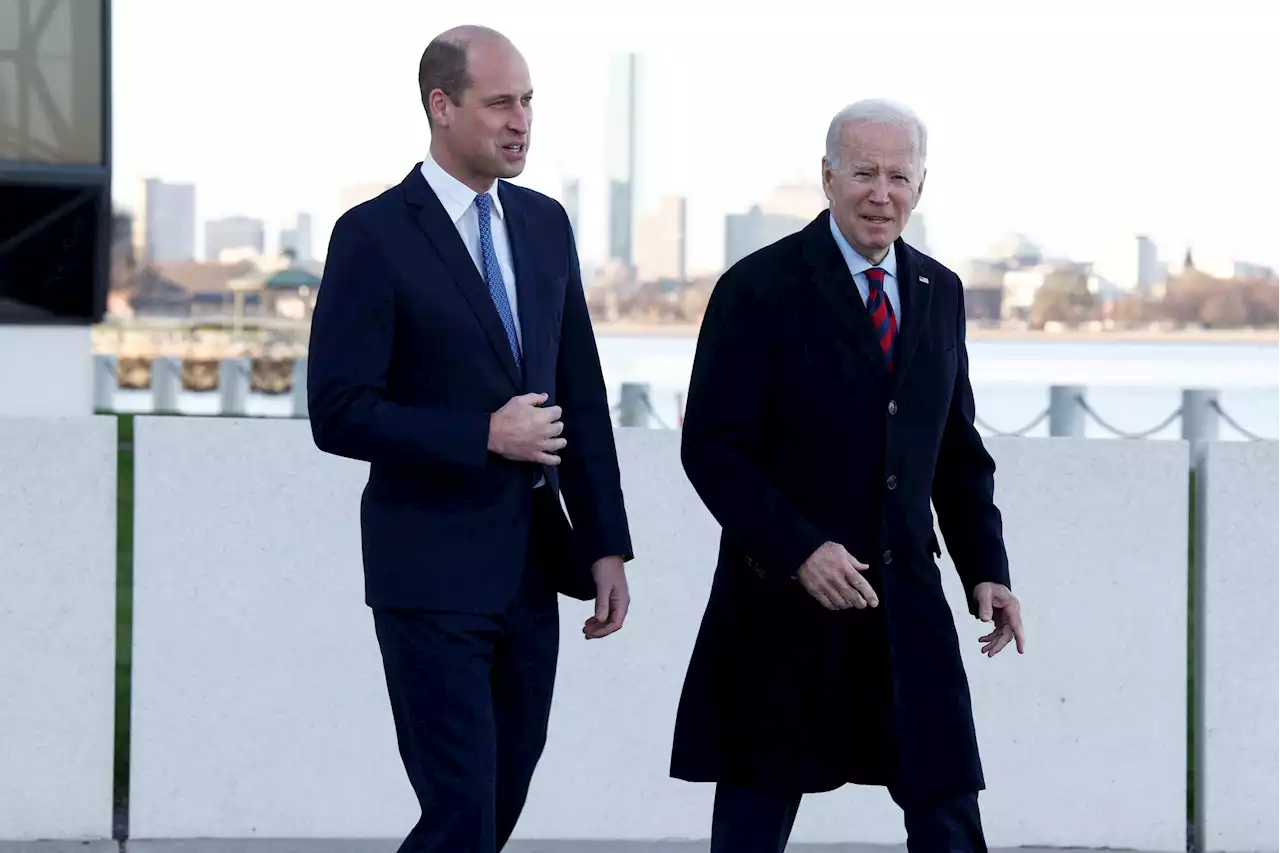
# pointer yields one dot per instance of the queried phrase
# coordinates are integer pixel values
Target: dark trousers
(471, 695)
(747, 820)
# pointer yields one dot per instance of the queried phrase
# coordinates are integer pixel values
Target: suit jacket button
(893, 407)
(888, 557)
(892, 482)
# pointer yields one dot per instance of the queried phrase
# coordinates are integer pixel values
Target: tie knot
(875, 276)
(482, 203)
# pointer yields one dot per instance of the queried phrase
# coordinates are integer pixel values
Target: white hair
(877, 111)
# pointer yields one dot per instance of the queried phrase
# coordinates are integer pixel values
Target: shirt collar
(456, 196)
(857, 263)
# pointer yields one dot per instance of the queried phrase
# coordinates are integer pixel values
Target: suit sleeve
(589, 477)
(964, 485)
(349, 358)
(723, 438)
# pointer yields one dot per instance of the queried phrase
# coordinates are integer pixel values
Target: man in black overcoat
(829, 403)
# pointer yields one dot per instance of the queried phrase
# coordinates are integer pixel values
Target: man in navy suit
(829, 405)
(451, 349)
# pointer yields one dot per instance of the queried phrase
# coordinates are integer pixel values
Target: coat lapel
(915, 293)
(435, 222)
(834, 282)
(526, 268)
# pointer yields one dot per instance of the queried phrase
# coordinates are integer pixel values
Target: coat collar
(830, 275)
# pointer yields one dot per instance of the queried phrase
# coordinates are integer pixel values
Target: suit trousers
(470, 697)
(749, 820)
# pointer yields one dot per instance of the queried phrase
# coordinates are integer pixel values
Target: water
(1133, 385)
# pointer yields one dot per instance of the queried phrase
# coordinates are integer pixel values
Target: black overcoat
(795, 433)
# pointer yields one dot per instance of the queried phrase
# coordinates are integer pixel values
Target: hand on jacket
(833, 577)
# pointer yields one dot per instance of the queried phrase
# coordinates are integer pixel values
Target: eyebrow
(507, 97)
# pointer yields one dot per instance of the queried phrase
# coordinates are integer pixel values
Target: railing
(1201, 412)
(256, 706)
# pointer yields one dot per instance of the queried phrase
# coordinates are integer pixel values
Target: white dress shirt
(459, 202)
(859, 265)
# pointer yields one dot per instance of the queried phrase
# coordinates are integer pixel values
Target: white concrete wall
(1238, 489)
(259, 707)
(46, 371)
(57, 626)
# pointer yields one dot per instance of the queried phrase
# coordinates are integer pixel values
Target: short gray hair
(877, 111)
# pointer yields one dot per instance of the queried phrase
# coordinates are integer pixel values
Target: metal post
(299, 389)
(634, 409)
(166, 384)
(1066, 415)
(105, 383)
(233, 385)
(1199, 419)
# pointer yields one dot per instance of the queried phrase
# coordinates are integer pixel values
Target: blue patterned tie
(493, 273)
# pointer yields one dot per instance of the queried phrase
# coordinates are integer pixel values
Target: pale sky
(1110, 118)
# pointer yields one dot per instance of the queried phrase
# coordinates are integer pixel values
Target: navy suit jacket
(408, 359)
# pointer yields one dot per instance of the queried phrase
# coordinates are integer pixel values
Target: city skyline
(711, 134)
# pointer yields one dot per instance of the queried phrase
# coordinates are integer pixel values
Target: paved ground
(343, 846)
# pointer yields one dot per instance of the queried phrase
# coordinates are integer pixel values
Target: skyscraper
(164, 227)
(622, 158)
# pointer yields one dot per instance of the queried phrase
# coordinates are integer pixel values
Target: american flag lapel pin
(924, 279)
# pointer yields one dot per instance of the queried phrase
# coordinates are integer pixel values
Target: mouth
(877, 220)
(516, 148)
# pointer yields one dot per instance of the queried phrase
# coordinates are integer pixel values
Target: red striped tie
(882, 319)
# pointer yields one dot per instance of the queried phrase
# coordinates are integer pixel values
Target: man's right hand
(833, 577)
(524, 431)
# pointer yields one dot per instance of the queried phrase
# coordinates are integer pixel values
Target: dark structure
(55, 160)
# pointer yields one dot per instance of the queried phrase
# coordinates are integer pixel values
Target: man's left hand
(997, 604)
(612, 598)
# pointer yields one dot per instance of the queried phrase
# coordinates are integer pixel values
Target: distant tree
(1225, 308)
(1063, 298)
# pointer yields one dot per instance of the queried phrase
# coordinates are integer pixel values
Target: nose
(880, 190)
(519, 119)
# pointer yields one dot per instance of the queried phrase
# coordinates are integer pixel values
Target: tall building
(573, 204)
(626, 96)
(916, 235)
(748, 232)
(233, 232)
(787, 209)
(1130, 264)
(661, 238)
(164, 227)
(295, 236)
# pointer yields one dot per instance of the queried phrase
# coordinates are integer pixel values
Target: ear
(920, 189)
(440, 106)
(828, 173)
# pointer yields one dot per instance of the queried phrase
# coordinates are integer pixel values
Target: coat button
(888, 557)
(893, 407)
(892, 482)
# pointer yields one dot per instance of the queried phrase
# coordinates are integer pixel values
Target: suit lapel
(915, 293)
(835, 284)
(443, 234)
(526, 270)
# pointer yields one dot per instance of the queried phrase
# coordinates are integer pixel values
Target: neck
(452, 165)
(875, 258)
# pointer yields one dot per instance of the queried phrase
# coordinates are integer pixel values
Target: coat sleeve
(589, 475)
(349, 358)
(723, 438)
(964, 485)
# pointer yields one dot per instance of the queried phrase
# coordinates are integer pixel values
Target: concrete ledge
(59, 847)
(327, 845)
